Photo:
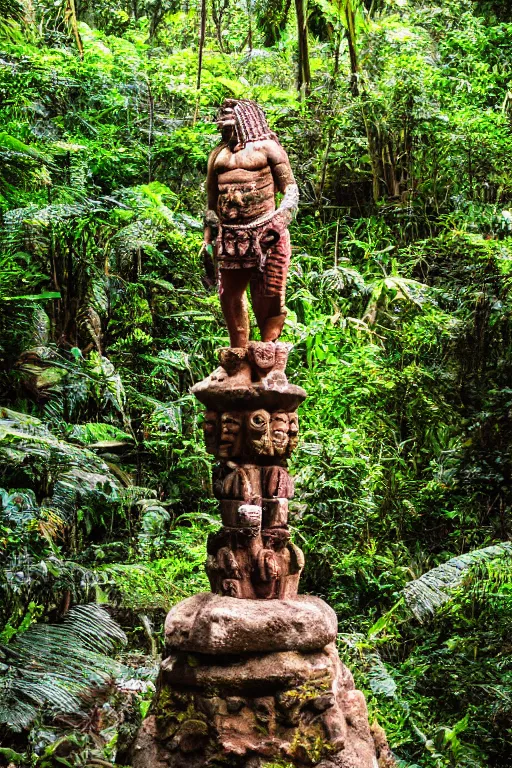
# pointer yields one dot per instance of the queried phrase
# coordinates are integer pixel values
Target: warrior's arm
(283, 176)
(212, 191)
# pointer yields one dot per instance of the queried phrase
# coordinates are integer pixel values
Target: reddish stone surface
(216, 625)
(252, 555)
(247, 386)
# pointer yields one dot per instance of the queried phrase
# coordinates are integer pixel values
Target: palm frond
(94, 434)
(431, 590)
(55, 667)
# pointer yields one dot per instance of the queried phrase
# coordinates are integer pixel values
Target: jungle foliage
(396, 115)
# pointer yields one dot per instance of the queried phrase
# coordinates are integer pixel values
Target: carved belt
(259, 234)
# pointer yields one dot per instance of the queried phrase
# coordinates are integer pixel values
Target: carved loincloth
(264, 248)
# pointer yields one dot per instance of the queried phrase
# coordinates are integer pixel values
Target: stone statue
(250, 424)
(249, 236)
(250, 675)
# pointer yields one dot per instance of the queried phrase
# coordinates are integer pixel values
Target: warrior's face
(293, 432)
(279, 426)
(226, 123)
(258, 429)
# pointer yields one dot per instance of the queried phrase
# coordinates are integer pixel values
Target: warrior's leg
(270, 312)
(232, 287)
(268, 290)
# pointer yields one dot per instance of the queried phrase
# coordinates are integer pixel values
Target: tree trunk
(350, 16)
(202, 34)
(303, 70)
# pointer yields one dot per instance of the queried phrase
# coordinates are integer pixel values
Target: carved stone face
(293, 432)
(258, 433)
(263, 354)
(279, 426)
(226, 121)
(230, 434)
(210, 423)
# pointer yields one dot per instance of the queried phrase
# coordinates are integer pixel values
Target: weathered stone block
(213, 624)
(252, 710)
(262, 672)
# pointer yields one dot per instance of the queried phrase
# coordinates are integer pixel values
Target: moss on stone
(309, 745)
(279, 764)
(309, 690)
(172, 706)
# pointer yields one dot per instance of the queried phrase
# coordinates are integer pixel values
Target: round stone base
(227, 396)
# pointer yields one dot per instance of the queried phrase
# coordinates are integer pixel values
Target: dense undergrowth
(400, 307)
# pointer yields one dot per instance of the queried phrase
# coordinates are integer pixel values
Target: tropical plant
(399, 312)
(58, 668)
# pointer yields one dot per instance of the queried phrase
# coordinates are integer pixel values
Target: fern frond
(56, 666)
(431, 590)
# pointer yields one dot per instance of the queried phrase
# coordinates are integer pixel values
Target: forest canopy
(396, 116)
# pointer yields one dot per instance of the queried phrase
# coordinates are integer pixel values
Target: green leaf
(431, 590)
(34, 296)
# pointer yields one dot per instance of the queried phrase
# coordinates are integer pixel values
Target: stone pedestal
(250, 674)
(247, 683)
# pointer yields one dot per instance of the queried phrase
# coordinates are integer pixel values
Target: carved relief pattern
(252, 555)
(251, 434)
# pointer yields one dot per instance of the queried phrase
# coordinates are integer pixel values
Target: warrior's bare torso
(245, 195)
(242, 184)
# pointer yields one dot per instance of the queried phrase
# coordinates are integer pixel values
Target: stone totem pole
(250, 675)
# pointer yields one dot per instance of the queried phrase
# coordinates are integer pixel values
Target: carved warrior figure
(251, 424)
(250, 237)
